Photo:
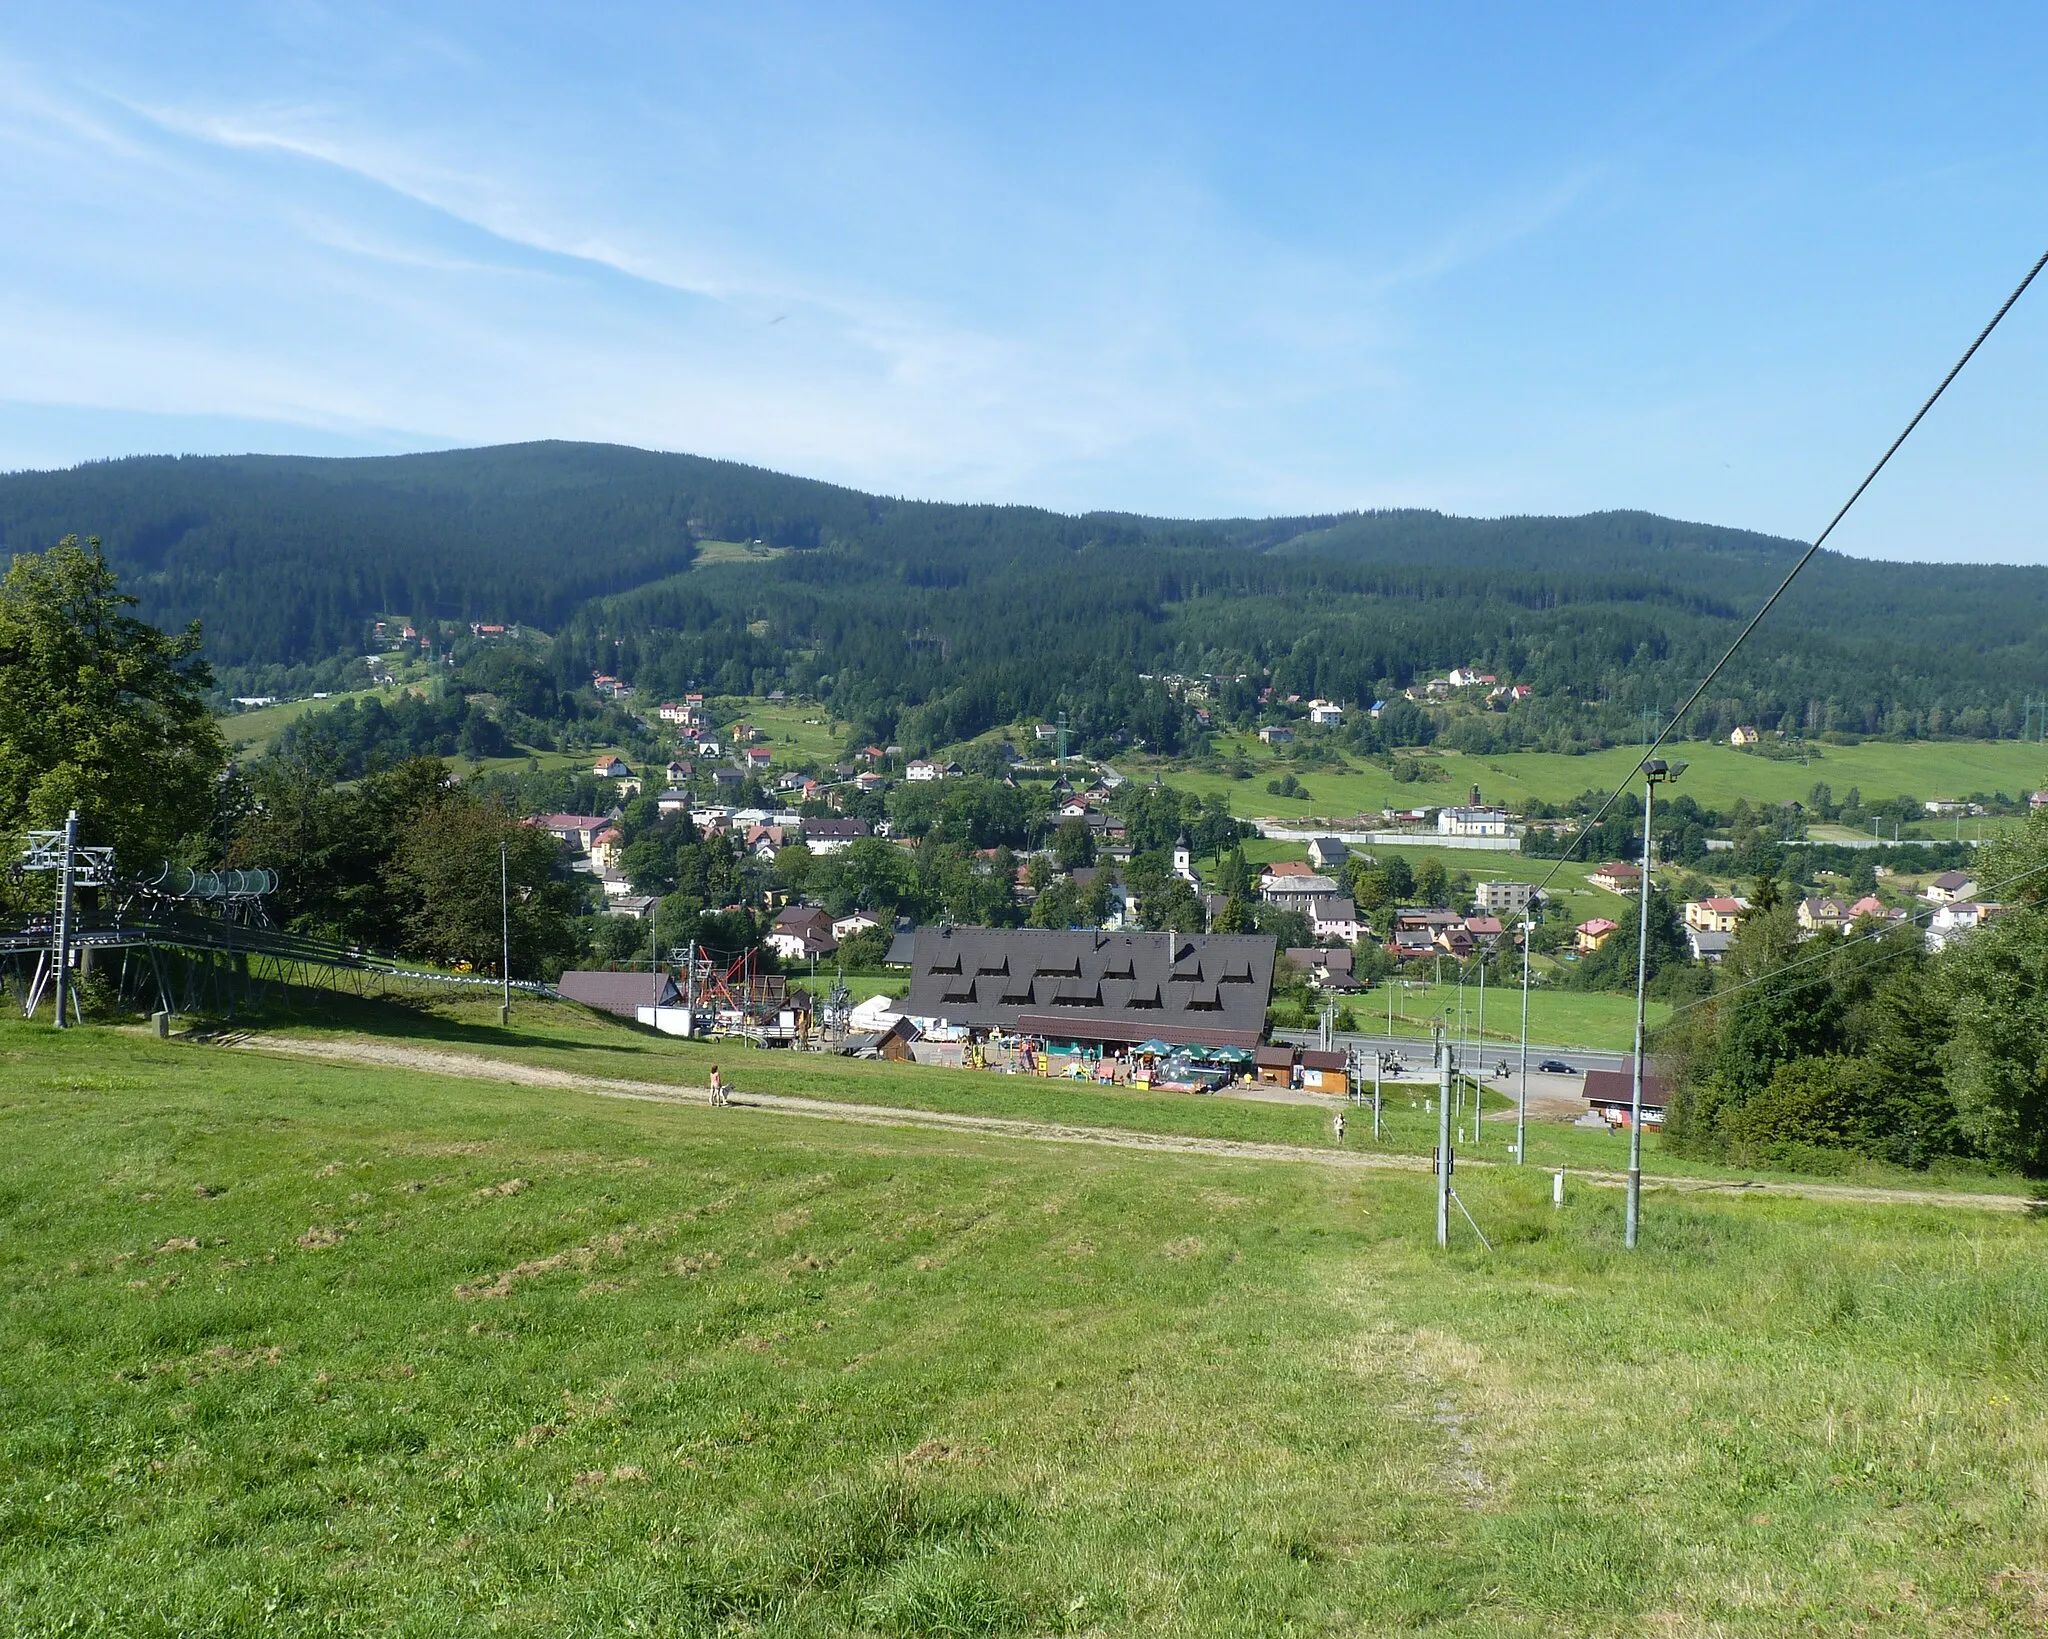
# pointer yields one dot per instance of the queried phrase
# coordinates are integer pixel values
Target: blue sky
(1176, 259)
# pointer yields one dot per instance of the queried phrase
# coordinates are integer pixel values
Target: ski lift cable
(1805, 558)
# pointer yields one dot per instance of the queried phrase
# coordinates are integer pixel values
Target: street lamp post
(1655, 773)
(505, 928)
(1522, 1103)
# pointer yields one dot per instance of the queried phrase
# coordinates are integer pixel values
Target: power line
(1805, 558)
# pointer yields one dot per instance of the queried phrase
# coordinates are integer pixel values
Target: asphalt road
(1415, 1052)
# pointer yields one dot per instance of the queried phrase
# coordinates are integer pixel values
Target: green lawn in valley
(250, 732)
(795, 730)
(1718, 774)
(295, 1349)
(1570, 1018)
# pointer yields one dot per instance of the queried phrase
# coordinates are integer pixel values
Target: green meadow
(299, 1349)
(1716, 776)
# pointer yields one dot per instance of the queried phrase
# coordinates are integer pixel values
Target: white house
(859, 922)
(1472, 822)
(1335, 917)
(1954, 921)
(1325, 711)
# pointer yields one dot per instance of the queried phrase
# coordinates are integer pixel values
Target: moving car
(1556, 1067)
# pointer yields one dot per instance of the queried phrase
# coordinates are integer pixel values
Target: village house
(758, 759)
(1504, 898)
(845, 927)
(1328, 968)
(1744, 736)
(1296, 893)
(1463, 678)
(1413, 931)
(672, 801)
(1327, 853)
(1473, 822)
(2036, 801)
(1814, 914)
(869, 780)
(1277, 734)
(1717, 915)
(1326, 712)
(1707, 944)
(833, 836)
(678, 772)
(673, 711)
(1335, 917)
(606, 847)
(611, 768)
(1616, 876)
(1042, 732)
(1950, 888)
(1956, 921)
(576, 831)
(1485, 930)
(800, 933)
(1590, 935)
(708, 750)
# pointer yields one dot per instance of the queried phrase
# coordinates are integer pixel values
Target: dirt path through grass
(481, 1068)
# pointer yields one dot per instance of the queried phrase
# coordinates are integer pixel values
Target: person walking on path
(717, 1088)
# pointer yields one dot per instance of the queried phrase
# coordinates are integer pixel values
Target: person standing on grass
(1340, 1126)
(717, 1088)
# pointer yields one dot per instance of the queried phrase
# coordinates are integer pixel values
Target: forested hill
(933, 621)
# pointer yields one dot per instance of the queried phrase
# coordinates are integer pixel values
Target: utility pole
(1479, 1088)
(1379, 1064)
(1443, 1143)
(505, 927)
(1522, 1103)
(1655, 772)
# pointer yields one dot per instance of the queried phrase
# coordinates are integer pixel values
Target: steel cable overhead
(1805, 558)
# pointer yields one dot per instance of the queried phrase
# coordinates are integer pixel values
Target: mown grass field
(1572, 1018)
(294, 1349)
(1718, 775)
(250, 732)
(573, 1042)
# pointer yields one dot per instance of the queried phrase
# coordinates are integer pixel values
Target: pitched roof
(618, 993)
(1087, 985)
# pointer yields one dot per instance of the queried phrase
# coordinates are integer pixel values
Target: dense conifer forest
(929, 623)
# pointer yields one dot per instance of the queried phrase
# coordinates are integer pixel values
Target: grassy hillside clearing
(296, 1349)
(1718, 775)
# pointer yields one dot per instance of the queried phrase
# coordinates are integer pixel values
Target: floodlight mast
(1443, 1138)
(1656, 771)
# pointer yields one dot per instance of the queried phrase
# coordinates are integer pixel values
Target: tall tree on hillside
(446, 867)
(100, 711)
(1995, 984)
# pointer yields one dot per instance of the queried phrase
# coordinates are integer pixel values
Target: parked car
(1556, 1067)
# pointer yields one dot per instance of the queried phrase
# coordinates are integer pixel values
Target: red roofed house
(1617, 877)
(1590, 936)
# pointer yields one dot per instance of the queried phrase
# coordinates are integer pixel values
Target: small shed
(1324, 1071)
(1274, 1064)
(1612, 1095)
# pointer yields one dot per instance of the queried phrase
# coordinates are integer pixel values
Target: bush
(1819, 1102)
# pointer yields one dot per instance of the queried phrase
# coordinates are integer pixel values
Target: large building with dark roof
(1209, 990)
